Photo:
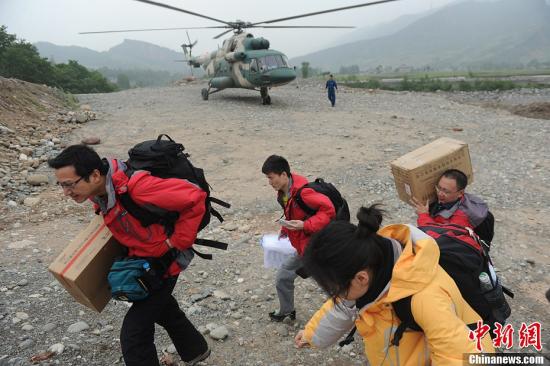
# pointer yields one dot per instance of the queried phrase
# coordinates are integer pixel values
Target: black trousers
(138, 329)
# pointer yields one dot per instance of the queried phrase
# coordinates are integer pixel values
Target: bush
(426, 84)
(369, 84)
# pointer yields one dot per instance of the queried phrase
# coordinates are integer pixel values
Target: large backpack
(329, 190)
(464, 256)
(167, 159)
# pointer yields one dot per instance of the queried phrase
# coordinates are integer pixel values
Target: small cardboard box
(83, 265)
(416, 173)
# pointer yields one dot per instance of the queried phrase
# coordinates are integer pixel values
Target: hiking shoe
(276, 317)
(198, 359)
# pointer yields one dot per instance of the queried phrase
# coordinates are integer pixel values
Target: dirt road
(230, 136)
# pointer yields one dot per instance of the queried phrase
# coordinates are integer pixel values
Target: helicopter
(243, 61)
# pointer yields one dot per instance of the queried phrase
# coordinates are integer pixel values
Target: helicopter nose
(281, 76)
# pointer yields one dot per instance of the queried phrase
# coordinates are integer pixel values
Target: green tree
(75, 78)
(305, 70)
(22, 61)
(6, 40)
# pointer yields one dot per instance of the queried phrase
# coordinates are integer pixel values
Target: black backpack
(167, 159)
(464, 257)
(329, 190)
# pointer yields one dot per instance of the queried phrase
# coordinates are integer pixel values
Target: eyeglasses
(71, 185)
(443, 191)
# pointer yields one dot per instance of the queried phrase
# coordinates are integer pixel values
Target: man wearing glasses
(455, 206)
(83, 175)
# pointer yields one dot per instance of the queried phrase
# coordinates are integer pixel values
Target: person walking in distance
(331, 87)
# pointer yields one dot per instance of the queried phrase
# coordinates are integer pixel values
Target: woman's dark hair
(84, 159)
(276, 164)
(336, 253)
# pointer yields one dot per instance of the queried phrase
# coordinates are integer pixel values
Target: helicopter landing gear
(266, 99)
(204, 94)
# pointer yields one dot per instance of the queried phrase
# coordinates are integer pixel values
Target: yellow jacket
(436, 304)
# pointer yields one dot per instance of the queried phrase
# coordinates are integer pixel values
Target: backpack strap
(211, 243)
(202, 255)
(349, 338)
(403, 311)
(215, 212)
(298, 198)
(149, 216)
(219, 202)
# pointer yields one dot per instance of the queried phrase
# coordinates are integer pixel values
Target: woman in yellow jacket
(365, 269)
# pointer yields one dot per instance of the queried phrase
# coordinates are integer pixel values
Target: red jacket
(317, 201)
(171, 194)
(458, 218)
(457, 214)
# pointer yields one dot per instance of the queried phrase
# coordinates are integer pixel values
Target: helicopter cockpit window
(253, 65)
(261, 64)
(285, 61)
(272, 62)
(281, 61)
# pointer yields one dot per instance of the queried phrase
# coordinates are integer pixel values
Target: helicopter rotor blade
(181, 10)
(322, 11)
(302, 26)
(221, 34)
(150, 29)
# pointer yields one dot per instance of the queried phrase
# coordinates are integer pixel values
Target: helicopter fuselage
(245, 62)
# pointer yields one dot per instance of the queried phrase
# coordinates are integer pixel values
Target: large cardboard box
(83, 265)
(416, 173)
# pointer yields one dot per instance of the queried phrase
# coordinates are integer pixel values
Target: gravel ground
(229, 136)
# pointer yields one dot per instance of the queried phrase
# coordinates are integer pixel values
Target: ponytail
(370, 219)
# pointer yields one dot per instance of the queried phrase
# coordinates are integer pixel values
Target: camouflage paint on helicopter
(245, 62)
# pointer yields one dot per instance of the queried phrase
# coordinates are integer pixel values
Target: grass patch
(428, 84)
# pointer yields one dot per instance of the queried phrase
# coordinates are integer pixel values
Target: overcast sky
(59, 21)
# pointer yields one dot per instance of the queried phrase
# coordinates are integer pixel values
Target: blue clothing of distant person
(331, 86)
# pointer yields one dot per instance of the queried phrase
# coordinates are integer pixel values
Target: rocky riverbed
(230, 136)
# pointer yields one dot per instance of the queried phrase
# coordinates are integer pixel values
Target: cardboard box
(417, 172)
(83, 265)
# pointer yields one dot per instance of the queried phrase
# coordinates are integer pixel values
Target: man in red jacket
(453, 205)
(299, 227)
(83, 176)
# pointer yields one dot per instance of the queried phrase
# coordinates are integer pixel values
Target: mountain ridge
(462, 35)
(130, 54)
